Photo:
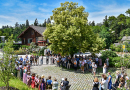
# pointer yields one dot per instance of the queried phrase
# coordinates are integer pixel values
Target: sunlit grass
(17, 84)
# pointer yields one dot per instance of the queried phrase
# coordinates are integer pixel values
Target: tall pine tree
(44, 24)
(105, 22)
(36, 22)
(48, 21)
(27, 23)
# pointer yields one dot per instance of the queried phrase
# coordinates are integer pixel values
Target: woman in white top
(94, 68)
(104, 83)
(104, 68)
(55, 85)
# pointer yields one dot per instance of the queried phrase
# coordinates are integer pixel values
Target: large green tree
(70, 32)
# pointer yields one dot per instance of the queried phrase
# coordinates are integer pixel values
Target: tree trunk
(72, 56)
(7, 85)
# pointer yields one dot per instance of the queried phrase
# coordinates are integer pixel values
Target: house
(33, 34)
(117, 44)
(126, 39)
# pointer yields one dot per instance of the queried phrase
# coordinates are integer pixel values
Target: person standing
(24, 62)
(31, 59)
(49, 83)
(90, 65)
(109, 81)
(25, 75)
(100, 62)
(75, 65)
(33, 81)
(85, 64)
(21, 59)
(41, 61)
(42, 84)
(55, 85)
(50, 59)
(95, 84)
(104, 68)
(53, 59)
(94, 66)
(104, 83)
(96, 59)
(37, 57)
(28, 79)
(21, 71)
(69, 63)
(65, 83)
(47, 59)
(82, 66)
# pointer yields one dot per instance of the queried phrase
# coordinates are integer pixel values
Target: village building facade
(33, 34)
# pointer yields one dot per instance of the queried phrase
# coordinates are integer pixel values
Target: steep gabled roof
(38, 29)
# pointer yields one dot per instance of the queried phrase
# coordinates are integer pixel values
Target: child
(33, 81)
(36, 81)
(39, 83)
(42, 86)
(28, 79)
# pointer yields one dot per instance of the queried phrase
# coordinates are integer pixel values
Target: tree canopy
(70, 32)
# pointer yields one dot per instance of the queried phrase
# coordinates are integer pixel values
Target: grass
(17, 84)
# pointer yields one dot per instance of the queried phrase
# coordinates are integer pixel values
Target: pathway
(78, 80)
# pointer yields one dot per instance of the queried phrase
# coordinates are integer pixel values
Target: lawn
(17, 84)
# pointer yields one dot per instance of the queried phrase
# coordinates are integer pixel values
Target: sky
(12, 11)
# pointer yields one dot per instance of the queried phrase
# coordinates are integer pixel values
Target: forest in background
(112, 29)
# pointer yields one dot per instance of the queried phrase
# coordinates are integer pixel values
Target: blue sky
(12, 11)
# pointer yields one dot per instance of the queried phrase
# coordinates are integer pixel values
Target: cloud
(109, 10)
(44, 4)
(44, 10)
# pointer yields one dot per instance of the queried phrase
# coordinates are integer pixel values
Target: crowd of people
(106, 82)
(34, 81)
(83, 63)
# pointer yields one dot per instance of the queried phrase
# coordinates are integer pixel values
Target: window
(36, 39)
(24, 40)
(32, 32)
(29, 40)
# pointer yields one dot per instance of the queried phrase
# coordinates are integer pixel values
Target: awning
(41, 41)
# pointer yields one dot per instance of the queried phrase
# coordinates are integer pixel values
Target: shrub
(112, 47)
(109, 54)
(1, 45)
(16, 47)
(42, 50)
(115, 61)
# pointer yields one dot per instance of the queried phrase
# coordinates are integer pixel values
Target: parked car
(84, 54)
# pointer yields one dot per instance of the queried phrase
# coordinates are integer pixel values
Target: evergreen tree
(16, 25)
(93, 23)
(36, 22)
(44, 24)
(105, 22)
(48, 21)
(27, 23)
(40, 25)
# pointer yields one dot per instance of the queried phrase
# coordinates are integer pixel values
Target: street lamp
(3, 39)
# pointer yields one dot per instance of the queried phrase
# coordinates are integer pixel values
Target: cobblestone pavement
(78, 80)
